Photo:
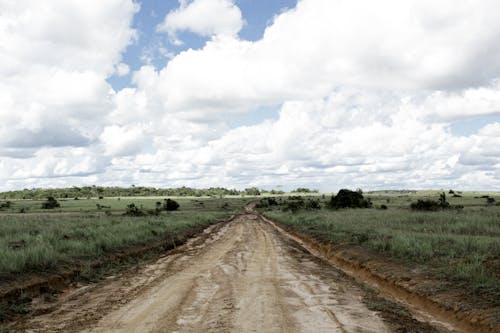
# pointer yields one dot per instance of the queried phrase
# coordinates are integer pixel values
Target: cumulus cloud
(122, 69)
(119, 141)
(366, 94)
(54, 62)
(321, 45)
(203, 17)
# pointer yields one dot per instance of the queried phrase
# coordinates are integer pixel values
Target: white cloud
(366, 90)
(54, 61)
(122, 69)
(120, 141)
(203, 17)
(322, 45)
(492, 130)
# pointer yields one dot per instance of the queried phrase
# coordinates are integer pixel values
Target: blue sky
(357, 94)
(258, 14)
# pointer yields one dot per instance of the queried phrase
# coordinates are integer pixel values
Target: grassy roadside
(43, 250)
(35, 240)
(47, 242)
(460, 246)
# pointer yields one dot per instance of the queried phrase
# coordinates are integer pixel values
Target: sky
(325, 94)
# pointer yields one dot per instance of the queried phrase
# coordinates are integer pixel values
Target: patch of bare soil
(430, 300)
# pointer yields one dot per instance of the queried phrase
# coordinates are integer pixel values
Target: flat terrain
(239, 276)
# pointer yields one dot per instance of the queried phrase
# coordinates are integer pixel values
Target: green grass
(84, 205)
(81, 233)
(457, 244)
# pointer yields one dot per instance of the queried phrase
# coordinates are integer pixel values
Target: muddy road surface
(238, 276)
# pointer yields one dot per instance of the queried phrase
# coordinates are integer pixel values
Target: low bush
(312, 204)
(432, 206)
(293, 204)
(5, 205)
(349, 199)
(170, 205)
(50, 203)
(133, 210)
(266, 202)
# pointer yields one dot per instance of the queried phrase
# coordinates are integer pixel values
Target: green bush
(170, 205)
(312, 204)
(425, 205)
(431, 205)
(50, 203)
(349, 199)
(293, 204)
(133, 210)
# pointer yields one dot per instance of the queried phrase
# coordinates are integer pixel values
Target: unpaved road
(240, 276)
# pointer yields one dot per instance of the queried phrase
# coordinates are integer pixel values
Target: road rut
(241, 276)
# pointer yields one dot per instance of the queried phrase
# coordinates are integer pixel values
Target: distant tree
(170, 205)
(490, 201)
(312, 204)
(425, 204)
(5, 205)
(349, 199)
(50, 203)
(442, 201)
(431, 205)
(304, 190)
(252, 191)
(133, 210)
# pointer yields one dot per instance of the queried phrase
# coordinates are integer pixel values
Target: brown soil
(241, 276)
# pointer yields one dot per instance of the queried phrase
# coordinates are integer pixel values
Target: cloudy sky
(275, 94)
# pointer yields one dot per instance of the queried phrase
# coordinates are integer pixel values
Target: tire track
(244, 277)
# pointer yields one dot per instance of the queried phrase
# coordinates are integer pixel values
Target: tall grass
(58, 239)
(457, 244)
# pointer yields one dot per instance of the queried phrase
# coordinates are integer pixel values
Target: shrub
(252, 191)
(312, 204)
(349, 199)
(293, 204)
(266, 202)
(442, 201)
(425, 204)
(5, 205)
(170, 205)
(133, 210)
(50, 203)
(304, 190)
(431, 205)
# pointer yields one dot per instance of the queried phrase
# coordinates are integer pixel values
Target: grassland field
(42, 240)
(460, 244)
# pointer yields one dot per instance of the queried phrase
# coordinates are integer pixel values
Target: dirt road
(241, 276)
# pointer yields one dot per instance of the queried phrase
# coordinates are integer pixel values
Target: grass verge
(460, 246)
(44, 243)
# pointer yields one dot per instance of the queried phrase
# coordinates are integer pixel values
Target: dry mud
(239, 276)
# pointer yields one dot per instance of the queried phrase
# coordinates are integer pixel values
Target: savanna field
(455, 238)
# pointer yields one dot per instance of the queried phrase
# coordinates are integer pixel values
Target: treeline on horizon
(134, 191)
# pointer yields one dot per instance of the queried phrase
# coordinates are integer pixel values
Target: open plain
(238, 276)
